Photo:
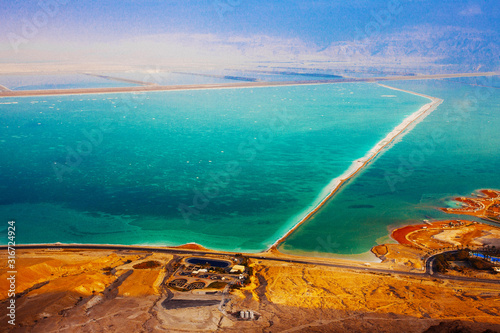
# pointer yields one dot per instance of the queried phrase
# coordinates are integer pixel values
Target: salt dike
(334, 186)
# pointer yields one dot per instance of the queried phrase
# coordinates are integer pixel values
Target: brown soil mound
(191, 246)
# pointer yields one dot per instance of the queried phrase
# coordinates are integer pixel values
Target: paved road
(429, 273)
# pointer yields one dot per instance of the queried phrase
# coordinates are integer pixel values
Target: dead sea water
(228, 169)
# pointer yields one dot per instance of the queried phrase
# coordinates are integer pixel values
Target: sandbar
(334, 186)
(152, 87)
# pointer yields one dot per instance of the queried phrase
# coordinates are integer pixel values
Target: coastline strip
(4, 88)
(114, 78)
(150, 88)
(334, 186)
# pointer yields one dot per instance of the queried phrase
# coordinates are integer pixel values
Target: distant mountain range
(442, 47)
(424, 49)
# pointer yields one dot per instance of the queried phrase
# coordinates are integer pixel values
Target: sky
(68, 25)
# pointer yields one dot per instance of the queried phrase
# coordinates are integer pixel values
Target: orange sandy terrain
(191, 246)
(360, 294)
(61, 268)
(62, 271)
(315, 287)
(486, 205)
(100, 291)
(444, 234)
(53, 283)
(416, 241)
(141, 282)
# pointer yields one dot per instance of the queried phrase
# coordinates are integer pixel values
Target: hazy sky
(319, 22)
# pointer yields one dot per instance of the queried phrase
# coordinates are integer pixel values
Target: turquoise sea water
(454, 151)
(228, 168)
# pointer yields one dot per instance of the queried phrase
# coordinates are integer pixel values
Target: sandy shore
(151, 88)
(334, 186)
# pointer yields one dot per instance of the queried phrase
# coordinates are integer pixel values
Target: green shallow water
(229, 168)
(454, 151)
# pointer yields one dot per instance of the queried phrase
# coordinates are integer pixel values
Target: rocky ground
(306, 298)
(101, 291)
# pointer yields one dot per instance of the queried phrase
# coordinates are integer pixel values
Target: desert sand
(101, 291)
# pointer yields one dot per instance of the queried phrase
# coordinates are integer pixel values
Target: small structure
(247, 315)
(202, 270)
(238, 269)
(195, 285)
